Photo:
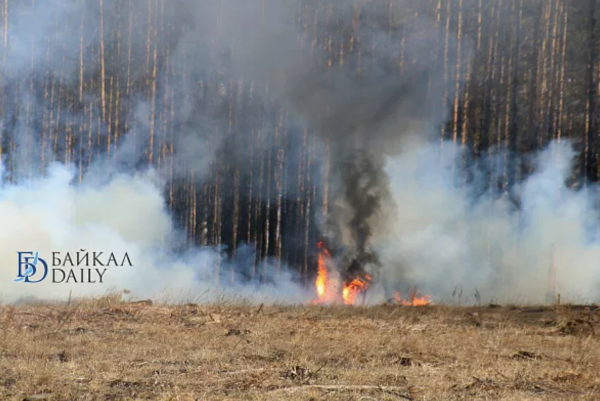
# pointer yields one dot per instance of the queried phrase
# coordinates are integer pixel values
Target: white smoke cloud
(439, 237)
(124, 214)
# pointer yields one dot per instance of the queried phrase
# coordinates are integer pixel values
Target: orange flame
(321, 281)
(328, 286)
(417, 299)
(354, 288)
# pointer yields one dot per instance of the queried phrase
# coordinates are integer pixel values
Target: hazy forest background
(526, 72)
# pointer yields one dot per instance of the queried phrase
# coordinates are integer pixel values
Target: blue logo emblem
(29, 266)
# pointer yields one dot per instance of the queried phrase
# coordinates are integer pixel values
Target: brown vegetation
(108, 349)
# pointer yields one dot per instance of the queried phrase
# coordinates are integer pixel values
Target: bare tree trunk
(590, 165)
(513, 134)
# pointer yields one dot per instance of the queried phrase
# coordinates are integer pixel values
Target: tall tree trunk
(513, 134)
(591, 172)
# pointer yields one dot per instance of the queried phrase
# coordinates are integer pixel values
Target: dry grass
(108, 349)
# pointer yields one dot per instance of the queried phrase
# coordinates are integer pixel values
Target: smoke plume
(363, 106)
(444, 239)
(192, 106)
(125, 214)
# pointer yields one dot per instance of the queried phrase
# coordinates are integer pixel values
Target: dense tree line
(520, 73)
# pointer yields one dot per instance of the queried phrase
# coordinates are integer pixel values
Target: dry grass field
(108, 349)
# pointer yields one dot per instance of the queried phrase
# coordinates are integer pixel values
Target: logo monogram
(29, 265)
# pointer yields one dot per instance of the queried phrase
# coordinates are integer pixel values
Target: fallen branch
(66, 318)
(386, 389)
(244, 371)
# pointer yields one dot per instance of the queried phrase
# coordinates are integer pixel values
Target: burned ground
(109, 349)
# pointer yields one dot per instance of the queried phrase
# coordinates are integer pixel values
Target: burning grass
(331, 289)
(108, 349)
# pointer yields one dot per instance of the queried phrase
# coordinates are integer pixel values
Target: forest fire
(322, 280)
(416, 299)
(354, 288)
(328, 283)
(332, 289)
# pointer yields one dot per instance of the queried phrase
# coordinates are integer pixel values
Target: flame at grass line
(327, 284)
(322, 279)
(417, 299)
(356, 287)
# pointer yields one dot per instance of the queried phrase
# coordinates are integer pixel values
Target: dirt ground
(107, 349)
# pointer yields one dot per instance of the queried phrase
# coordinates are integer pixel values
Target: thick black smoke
(381, 85)
(365, 108)
(366, 194)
